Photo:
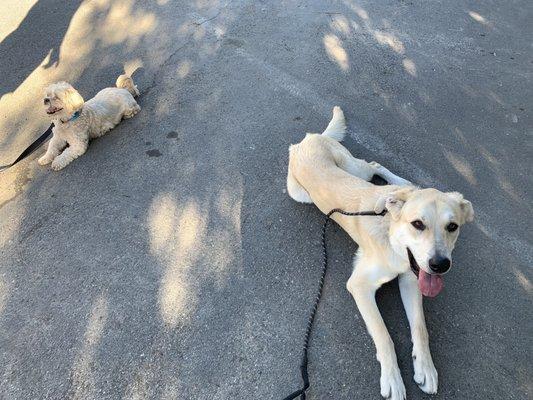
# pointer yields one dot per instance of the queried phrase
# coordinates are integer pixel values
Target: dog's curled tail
(337, 126)
(125, 82)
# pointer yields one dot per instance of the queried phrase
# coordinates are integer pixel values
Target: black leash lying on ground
(307, 337)
(30, 149)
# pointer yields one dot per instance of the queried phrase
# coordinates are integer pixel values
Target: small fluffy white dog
(76, 121)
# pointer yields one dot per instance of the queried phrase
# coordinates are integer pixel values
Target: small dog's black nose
(439, 264)
(46, 101)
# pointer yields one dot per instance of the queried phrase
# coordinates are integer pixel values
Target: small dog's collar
(74, 117)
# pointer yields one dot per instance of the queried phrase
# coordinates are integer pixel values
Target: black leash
(30, 149)
(305, 360)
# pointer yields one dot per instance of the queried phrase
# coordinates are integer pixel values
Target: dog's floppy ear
(74, 99)
(465, 205)
(393, 202)
(70, 96)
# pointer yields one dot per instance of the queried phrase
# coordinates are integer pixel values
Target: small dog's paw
(132, 112)
(44, 160)
(58, 164)
(426, 376)
(374, 164)
(391, 382)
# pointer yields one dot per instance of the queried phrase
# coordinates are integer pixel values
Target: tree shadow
(38, 36)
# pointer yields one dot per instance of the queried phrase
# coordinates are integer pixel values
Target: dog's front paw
(426, 376)
(44, 160)
(58, 164)
(391, 382)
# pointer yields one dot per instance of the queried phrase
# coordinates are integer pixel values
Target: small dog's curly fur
(76, 121)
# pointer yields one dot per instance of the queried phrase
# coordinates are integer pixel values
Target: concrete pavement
(168, 262)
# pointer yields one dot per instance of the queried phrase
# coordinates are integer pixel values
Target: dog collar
(74, 117)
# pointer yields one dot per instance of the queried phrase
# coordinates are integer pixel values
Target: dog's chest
(396, 264)
(61, 129)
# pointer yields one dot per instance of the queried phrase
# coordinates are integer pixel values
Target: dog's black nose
(46, 101)
(439, 264)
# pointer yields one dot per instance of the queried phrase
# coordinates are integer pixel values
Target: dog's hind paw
(392, 386)
(426, 376)
(132, 112)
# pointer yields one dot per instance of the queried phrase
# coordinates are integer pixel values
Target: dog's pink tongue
(430, 285)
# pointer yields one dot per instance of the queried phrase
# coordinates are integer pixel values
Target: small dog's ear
(73, 99)
(393, 202)
(465, 205)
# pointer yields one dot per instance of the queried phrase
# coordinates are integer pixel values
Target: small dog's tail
(337, 126)
(125, 82)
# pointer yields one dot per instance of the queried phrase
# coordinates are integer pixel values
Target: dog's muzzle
(53, 110)
(430, 284)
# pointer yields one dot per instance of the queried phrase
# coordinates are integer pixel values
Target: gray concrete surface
(168, 262)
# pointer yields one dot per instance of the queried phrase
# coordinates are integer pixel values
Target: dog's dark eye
(46, 101)
(452, 227)
(418, 225)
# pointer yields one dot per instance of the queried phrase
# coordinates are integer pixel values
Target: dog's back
(110, 105)
(320, 158)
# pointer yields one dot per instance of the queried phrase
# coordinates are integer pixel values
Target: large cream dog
(414, 240)
(76, 121)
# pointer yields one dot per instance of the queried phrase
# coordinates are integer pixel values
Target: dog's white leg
(54, 149)
(296, 191)
(365, 170)
(391, 178)
(425, 373)
(76, 148)
(354, 166)
(362, 285)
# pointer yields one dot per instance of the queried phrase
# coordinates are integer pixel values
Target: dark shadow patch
(148, 143)
(153, 153)
(30, 47)
(173, 135)
(378, 180)
(234, 42)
